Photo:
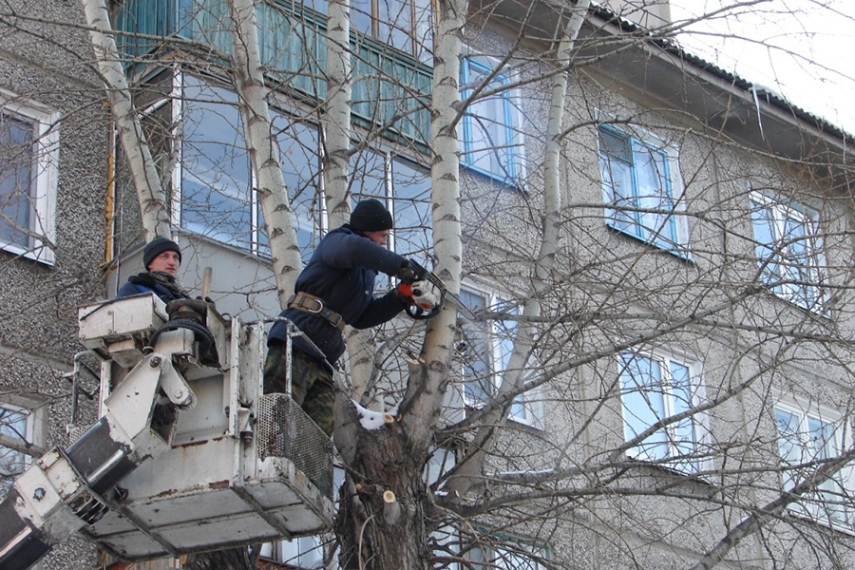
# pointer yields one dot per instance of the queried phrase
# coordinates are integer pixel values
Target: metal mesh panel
(284, 430)
(74, 433)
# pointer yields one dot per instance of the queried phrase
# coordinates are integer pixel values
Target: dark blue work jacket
(342, 272)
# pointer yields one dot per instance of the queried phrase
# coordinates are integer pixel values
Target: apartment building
(690, 372)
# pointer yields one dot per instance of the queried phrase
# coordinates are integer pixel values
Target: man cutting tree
(336, 288)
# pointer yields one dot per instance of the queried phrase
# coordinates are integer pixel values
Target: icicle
(757, 106)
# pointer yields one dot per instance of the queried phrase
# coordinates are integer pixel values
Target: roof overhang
(660, 69)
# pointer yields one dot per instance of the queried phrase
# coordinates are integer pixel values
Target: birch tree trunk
(382, 520)
(337, 117)
(468, 471)
(337, 152)
(154, 208)
(263, 148)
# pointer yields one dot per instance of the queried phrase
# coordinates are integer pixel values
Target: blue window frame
(492, 140)
(653, 388)
(789, 252)
(639, 190)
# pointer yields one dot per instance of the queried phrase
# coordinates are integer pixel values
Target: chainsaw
(428, 294)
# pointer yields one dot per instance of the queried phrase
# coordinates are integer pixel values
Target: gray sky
(802, 49)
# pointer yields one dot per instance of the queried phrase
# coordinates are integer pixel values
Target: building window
(405, 189)
(655, 387)
(215, 182)
(789, 250)
(300, 161)
(807, 439)
(17, 425)
(484, 350)
(509, 556)
(306, 553)
(641, 189)
(402, 24)
(216, 196)
(492, 139)
(29, 154)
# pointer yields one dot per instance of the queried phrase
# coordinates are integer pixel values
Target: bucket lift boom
(188, 454)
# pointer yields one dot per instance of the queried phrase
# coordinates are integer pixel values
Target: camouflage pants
(311, 383)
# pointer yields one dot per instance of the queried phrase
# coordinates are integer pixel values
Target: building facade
(689, 382)
(54, 130)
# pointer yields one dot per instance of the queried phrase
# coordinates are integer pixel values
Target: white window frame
(304, 552)
(676, 239)
(528, 407)
(46, 172)
(840, 486)
(390, 196)
(809, 294)
(495, 556)
(697, 459)
(34, 410)
(255, 227)
(502, 160)
(391, 188)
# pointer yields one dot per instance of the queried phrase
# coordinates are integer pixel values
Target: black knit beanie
(370, 216)
(157, 246)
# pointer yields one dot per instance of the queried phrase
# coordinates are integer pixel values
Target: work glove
(408, 272)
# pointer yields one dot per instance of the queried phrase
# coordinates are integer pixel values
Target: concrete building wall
(47, 69)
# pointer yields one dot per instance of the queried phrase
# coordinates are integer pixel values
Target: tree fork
(380, 523)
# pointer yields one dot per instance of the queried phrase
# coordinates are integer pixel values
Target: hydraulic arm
(70, 487)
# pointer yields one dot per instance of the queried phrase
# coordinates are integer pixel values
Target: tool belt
(316, 306)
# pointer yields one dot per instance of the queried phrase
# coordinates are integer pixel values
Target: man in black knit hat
(334, 289)
(162, 260)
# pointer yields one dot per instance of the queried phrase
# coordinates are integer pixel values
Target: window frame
(297, 552)
(257, 245)
(529, 403)
(696, 460)
(632, 223)
(378, 26)
(812, 505)
(34, 411)
(493, 555)
(507, 164)
(390, 197)
(809, 295)
(42, 225)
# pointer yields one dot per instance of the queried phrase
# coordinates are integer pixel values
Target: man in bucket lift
(334, 289)
(161, 259)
